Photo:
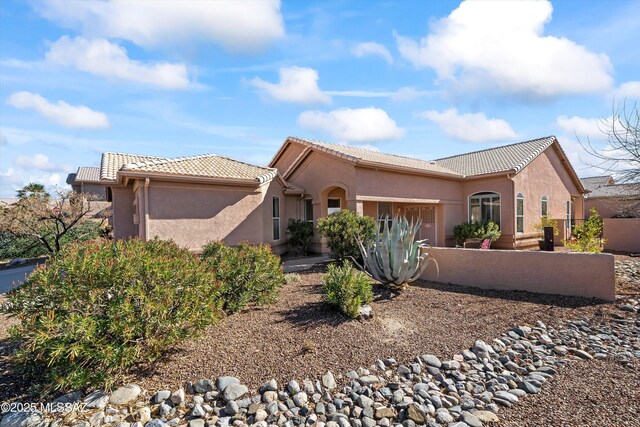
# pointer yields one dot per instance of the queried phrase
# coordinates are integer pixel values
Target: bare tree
(43, 218)
(621, 155)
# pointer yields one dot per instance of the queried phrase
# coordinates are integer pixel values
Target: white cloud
(629, 90)
(581, 126)
(372, 48)
(246, 25)
(403, 94)
(39, 162)
(103, 58)
(500, 45)
(71, 116)
(297, 84)
(472, 127)
(352, 125)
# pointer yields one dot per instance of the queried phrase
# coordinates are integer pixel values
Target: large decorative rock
(234, 391)
(329, 381)
(97, 399)
(125, 394)
(22, 419)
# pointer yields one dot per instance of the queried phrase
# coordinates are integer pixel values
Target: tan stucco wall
(288, 157)
(95, 189)
(122, 218)
(610, 207)
(578, 274)
(194, 214)
(545, 176)
(622, 234)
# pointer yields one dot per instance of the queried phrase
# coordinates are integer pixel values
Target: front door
(428, 216)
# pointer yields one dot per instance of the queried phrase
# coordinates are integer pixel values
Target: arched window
(543, 207)
(484, 207)
(520, 213)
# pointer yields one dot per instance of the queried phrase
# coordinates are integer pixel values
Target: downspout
(510, 177)
(147, 181)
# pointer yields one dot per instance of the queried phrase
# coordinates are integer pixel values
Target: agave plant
(394, 256)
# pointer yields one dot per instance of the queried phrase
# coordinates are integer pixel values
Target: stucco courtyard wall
(622, 234)
(577, 274)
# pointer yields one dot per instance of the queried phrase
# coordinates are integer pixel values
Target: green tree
(588, 235)
(31, 190)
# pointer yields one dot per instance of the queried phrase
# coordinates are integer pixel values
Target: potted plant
(539, 227)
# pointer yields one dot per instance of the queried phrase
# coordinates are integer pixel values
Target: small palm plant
(394, 256)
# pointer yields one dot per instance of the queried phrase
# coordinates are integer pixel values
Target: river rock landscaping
(514, 344)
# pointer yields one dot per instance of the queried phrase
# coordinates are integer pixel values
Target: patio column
(356, 205)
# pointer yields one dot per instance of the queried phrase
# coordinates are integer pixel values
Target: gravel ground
(588, 393)
(300, 337)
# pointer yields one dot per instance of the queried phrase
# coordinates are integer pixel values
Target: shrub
(476, 230)
(347, 288)
(300, 233)
(588, 235)
(342, 231)
(250, 274)
(546, 222)
(101, 307)
(292, 278)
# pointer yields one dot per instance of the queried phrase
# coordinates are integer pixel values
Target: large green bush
(101, 307)
(347, 288)
(250, 274)
(343, 229)
(476, 230)
(300, 233)
(588, 235)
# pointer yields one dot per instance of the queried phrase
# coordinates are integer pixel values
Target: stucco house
(87, 180)
(197, 199)
(610, 199)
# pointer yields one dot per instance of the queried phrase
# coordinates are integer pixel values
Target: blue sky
(423, 79)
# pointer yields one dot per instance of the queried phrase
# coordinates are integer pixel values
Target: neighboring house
(87, 180)
(197, 199)
(610, 199)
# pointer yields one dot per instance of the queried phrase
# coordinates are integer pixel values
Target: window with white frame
(484, 207)
(276, 218)
(544, 207)
(333, 206)
(520, 213)
(308, 210)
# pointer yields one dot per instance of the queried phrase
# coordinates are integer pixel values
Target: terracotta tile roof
(511, 157)
(112, 162)
(205, 166)
(593, 182)
(358, 154)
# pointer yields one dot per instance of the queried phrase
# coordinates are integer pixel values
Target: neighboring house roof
(362, 155)
(593, 182)
(203, 166)
(617, 190)
(513, 157)
(84, 174)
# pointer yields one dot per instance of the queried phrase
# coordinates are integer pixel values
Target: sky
(235, 78)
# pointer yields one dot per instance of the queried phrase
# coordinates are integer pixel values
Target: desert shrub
(300, 233)
(292, 278)
(101, 307)
(476, 230)
(546, 222)
(588, 235)
(342, 231)
(250, 274)
(347, 288)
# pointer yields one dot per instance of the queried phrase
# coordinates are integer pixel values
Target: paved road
(13, 275)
